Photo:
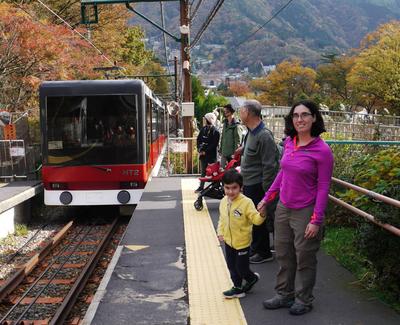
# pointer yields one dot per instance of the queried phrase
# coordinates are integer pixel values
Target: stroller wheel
(198, 204)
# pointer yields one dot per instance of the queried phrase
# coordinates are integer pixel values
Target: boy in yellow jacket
(237, 214)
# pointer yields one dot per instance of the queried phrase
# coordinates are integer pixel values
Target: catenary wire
(75, 31)
(267, 22)
(210, 17)
(194, 12)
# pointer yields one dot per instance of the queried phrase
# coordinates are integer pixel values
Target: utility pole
(187, 82)
(185, 57)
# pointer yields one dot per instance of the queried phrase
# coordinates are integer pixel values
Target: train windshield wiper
(107, 170)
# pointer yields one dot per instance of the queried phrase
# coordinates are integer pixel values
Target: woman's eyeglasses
(303, 116)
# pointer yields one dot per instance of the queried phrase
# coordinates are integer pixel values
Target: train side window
(148, 125)
(154, 122)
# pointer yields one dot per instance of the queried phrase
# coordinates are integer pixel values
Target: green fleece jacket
(236, 221)
(230, 137)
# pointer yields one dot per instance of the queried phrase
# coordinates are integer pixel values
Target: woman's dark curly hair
(317, 127)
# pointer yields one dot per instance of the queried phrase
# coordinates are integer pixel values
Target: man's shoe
(199, 190)
(258, 259)
(248, 285)
(299, 309)
(234, 292)
(278, 302)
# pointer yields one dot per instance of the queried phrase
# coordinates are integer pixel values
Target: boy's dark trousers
(260, 243)
(238, 265)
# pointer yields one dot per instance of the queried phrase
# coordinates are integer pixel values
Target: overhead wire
(207, 22)
(76, 32)
(267, 22)
(194, 12)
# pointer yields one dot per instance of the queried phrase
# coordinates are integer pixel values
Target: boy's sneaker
(248, 285)
(234, 292)
(198, 190)
(258, 259)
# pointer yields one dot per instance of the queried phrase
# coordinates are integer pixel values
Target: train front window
(91, 130)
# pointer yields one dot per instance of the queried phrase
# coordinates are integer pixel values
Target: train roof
(95, 87)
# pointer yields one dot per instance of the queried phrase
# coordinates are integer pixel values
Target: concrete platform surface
(148, 284)
(14, 193)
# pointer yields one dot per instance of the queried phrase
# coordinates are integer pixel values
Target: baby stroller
(215, 189)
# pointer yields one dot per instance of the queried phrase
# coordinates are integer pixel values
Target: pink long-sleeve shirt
(304, 178)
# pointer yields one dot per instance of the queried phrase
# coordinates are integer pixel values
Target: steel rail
(37, 280)
(372, 194)
(52, 276)
(392, 229)
(20, 275)
(69, 301)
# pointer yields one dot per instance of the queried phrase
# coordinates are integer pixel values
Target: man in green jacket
(231, 135)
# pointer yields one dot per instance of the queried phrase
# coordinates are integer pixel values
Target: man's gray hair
(253, 106)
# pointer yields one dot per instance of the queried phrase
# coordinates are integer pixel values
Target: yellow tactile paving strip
(208, 275)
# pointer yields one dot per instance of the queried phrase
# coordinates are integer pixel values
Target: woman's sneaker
(248, 285)
(234, 292)
(299, 309)
(278, 302)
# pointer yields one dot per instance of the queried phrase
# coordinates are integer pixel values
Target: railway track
(45, 289)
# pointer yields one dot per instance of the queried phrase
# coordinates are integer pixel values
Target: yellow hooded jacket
(236, 224)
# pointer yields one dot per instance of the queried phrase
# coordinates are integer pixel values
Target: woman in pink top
(303, 186)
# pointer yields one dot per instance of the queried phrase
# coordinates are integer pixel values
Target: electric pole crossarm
(151, 22)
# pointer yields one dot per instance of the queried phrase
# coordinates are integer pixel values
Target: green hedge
(377, 170)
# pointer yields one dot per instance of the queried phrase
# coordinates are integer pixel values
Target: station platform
(15, 203)
(170, 269)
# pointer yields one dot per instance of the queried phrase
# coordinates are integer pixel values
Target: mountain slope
(306, 28)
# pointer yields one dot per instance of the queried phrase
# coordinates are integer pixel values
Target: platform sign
(17, 151)
(179, 146)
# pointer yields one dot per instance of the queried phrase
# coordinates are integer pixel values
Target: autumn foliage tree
(287, 83)
(376, 71)
(31, 51)
(332, 80)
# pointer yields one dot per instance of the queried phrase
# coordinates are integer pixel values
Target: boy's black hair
(232, 176)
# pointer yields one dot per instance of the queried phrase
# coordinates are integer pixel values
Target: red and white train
(100, 141)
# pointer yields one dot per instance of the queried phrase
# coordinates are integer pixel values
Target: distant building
(236, 102)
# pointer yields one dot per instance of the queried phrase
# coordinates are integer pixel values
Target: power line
(210, 17)
(267, 22)
(75, 31)
(194, 12)
(164, 36)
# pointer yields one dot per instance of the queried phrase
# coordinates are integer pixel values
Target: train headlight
(123, 197)
(65, 198)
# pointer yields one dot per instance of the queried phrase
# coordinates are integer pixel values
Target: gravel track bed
(73, 259)
(67, 273)
(52, 290)
(12, 243)
(81, 306)
(38, 311)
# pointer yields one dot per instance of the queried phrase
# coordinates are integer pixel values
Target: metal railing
(343, 157)
(376, 196)
(12, 159)
(342, 125)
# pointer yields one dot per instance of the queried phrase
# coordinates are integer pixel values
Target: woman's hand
(221, 238)
(261, 207)
(311, 231)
